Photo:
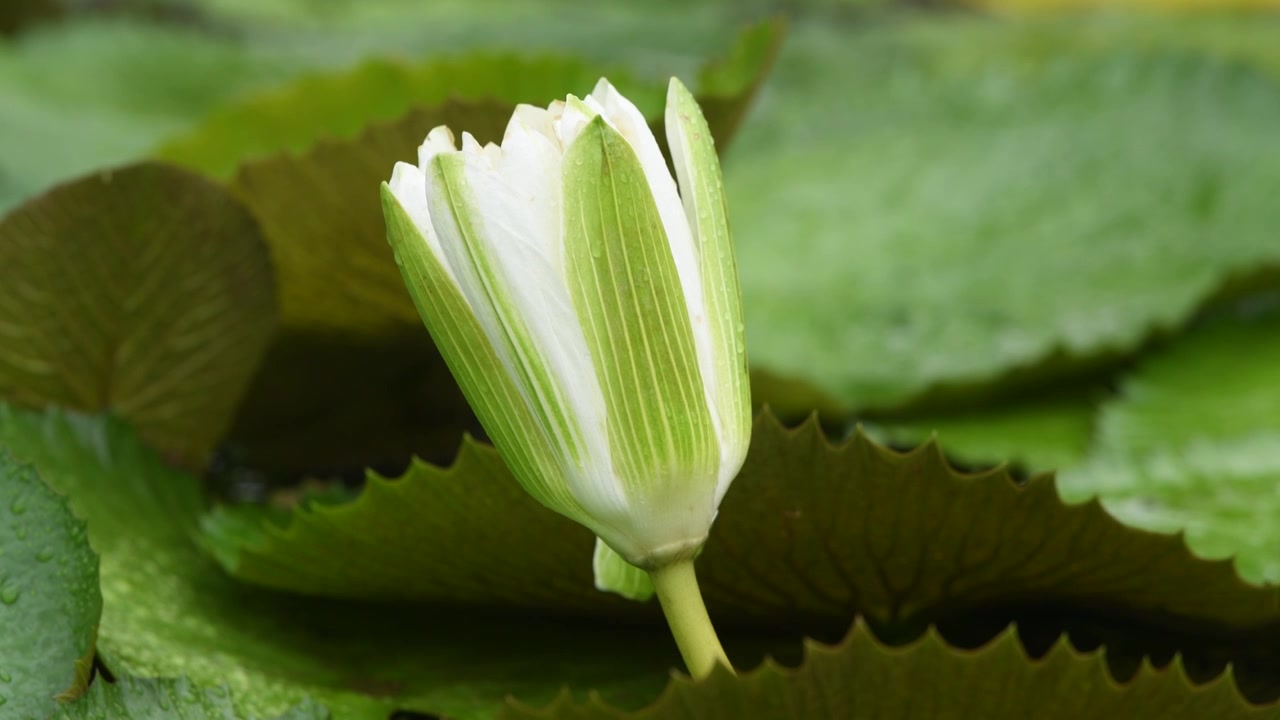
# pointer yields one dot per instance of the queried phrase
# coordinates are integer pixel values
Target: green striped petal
(616, 575)
(628, 297)
(475, 363)
(697, 167)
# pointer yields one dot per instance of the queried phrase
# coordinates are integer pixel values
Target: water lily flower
(589, 309)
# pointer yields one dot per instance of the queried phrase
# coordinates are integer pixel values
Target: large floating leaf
(49, 599)
(862, 679)
(1219, 382)
(946, 212)
(809, 533)
(167, 699)
(168, 610)
(353, 379)
(145, 291)
(1192, 443)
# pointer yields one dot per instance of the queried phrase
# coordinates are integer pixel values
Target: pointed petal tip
(442, 137)
(439, 140)
(602, 86)
(676, 88)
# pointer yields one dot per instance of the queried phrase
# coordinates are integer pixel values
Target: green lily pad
(144, 290)
(49, 599)
(952, 215)
(168, 699)
(1192, 444)
(862, 679)
(809, 534)
(168, 610)
(353, 379)
(1218, 382)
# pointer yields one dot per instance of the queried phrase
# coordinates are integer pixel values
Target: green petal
(613, 574)
(628, 295)
(475, 364)
(693, 153)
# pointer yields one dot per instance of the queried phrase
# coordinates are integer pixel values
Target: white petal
(439, 140)
(530, 169)
(516, 208)
(409, 185)
(574, 116)
(531, 119)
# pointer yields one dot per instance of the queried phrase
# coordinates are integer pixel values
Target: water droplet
(5, 677)
(44, 555)
(9, 596)
(18, 506)
(577, 162)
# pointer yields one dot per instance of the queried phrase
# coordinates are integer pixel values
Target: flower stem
(681, 600)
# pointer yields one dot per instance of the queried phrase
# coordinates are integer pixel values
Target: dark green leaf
(862, 679)
(808, 534)
(146, 291)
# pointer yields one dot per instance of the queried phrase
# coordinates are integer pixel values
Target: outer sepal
(614, 574)
(628, 295)
(697, 167)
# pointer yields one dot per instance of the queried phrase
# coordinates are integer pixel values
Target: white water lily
(590, 311)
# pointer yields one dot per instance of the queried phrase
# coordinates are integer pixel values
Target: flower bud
(589, 310)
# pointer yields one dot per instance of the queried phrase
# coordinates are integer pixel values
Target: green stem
(681, 600)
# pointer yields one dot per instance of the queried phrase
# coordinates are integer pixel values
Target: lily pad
(1192, 444)
(952, 216)
(808, 535)
(49, 599)
(1218, 382)
(145, 291)
(863, 679)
